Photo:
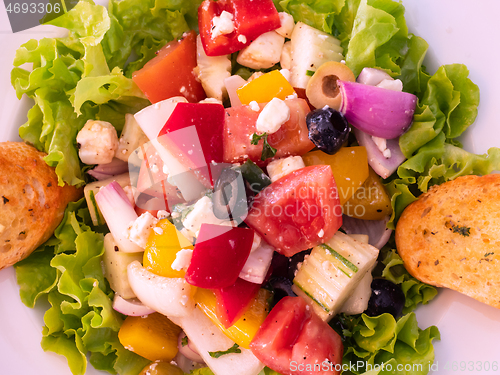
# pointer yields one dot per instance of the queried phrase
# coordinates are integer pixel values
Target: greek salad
(244, 165)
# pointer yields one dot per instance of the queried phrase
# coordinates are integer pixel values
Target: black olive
(328, 129)
(282, 287)
(386, 297)
(229, 198)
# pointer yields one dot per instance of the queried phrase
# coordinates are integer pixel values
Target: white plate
(458, 31)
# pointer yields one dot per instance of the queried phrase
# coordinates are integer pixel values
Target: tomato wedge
(299, 211)
(170, 73)
(250, 19)
(291, 138)
(218, 256)
(293, 340)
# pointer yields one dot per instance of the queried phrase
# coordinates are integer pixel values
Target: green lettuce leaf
(383, 345)
(81, 320)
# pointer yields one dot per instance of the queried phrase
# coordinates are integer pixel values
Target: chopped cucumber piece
(311, 48)
(329, 275)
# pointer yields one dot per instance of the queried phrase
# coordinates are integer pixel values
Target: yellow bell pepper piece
(245, 328)
(161, 250)
(371, 201)
(349, 167)
(264, 88)
(153, 336)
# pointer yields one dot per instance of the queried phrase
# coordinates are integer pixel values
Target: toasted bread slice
(450, 237)
(31, 202)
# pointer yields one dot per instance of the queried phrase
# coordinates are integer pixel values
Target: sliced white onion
(383, 166)
(131, 307)
(232, 84)
(118, 212)
(189, 350)
(258, 262)
(170, 296)
(377, 230)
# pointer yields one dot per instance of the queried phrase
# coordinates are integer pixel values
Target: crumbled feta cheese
(255, 75)
(321, 233)
(182, 259)
(202, 213)
(281, 167)
(162, 214)
(382, 146)
(254, 106)
(287, 25)
(274, 114)
(97, 142)
(211, 100)
(286, 56)
(222, 24)
(158, 230)
(154, 168)
(263, 53)
(242, 39)
(286, 73)
(293, 96)
(391, 84)
(139, 230)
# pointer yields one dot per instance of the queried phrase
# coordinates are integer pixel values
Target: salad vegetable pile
(184, 247)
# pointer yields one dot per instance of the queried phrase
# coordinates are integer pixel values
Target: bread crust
(450, 237)
(31, 202)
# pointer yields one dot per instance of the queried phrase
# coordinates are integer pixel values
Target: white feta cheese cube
(391, 84)
(202, 213)
(139, 230)
(281, 167)
(287, 25)
(286, 56)
(274, 114)
(381, 144)
(97, 142)
(263, 52)
(254, 106)
(182, 259)
(285, 73)
(242, 39)
(222, 24)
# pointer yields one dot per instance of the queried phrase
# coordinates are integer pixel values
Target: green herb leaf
(268, 151)
(233, 349)
(310, 73)
(184, 341)
(488, 254)
(463, 231)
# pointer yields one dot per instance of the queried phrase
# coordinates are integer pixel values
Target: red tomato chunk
(218, 256)
(250, 19)
(299, 211)
(293, 340)
(170, 73)
(291, 139)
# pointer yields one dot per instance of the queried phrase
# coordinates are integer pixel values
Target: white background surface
(458, 31)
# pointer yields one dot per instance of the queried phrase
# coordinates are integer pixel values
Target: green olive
(322, 88)
(161, 368)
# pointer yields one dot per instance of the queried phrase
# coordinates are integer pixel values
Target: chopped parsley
(184, 341)
(463, 231)
(310, 73)
(268, 151)
(488, 254)
(233, 349)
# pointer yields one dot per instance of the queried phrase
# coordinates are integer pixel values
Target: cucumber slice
(332, 271)
(310, 48)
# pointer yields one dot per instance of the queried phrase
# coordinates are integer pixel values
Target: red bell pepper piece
(193, 133)
(219, 255)
(232, 301)
(250, 18)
